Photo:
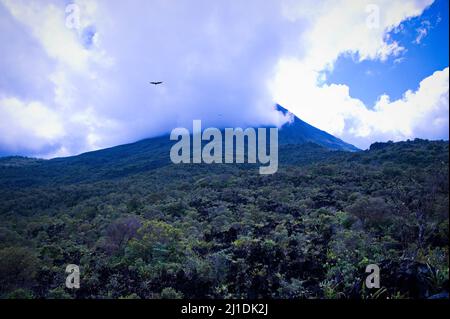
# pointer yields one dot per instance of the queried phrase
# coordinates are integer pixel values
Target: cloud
(86, 68)
(421, 33)
(36, 126)
(300, 85)
(422, 113)
(213, 61)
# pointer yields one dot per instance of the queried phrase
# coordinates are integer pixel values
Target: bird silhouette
(156, 83)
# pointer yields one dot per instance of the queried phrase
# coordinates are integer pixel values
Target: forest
(151, 229)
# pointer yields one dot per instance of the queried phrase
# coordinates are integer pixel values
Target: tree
(18, 266)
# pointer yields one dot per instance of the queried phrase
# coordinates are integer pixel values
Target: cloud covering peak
(75, 76)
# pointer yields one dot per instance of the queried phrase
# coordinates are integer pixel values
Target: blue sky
(370, 79)
(74, 75)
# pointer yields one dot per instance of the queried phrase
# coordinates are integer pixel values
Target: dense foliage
(145, 228)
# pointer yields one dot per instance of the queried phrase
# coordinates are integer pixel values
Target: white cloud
(92, 82)
(343, 26)
(36, 127)
(44, 21)
(423, 113)
(213, 61)
(337, 28)
(421, 33)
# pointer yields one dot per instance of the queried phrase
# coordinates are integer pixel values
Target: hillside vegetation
(140, 227)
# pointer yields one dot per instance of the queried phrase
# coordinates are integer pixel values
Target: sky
(74, 75)
(425, 39)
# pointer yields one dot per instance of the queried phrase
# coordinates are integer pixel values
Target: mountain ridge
(294, 132)
(298, 130)
(296, 137)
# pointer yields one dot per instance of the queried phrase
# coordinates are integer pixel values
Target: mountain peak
(299, 132)
(281, 109)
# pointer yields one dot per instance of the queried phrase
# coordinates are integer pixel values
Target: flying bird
(156, 83)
